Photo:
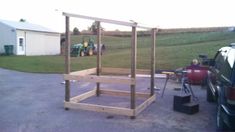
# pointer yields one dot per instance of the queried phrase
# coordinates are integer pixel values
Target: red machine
(196, 75)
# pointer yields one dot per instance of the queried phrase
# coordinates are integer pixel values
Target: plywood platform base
(75, 102)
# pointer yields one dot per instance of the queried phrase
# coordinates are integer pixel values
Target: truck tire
(209, 95)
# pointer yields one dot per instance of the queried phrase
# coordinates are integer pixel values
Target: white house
(28, 39)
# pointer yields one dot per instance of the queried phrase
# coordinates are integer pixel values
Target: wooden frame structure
(94, 74)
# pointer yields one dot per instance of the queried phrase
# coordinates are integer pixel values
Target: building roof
(27, 26)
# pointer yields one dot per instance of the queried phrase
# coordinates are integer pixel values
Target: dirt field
(34, 103)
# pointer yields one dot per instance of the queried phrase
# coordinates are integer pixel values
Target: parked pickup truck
(221, 86)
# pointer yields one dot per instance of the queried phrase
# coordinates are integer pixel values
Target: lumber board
(100, 19)
(67, 57)
(83, 96)
(145, 104)
(101, 79)
(123, 93)
(153, 57)
(160, 76)
(133, 66)
(100, 108)
(84, 72)
(98, 57)
(130, 24)
(109, 70)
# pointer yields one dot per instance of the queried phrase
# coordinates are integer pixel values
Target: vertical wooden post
(67, 60)
(133, 66)
(153, 35)
(98, 56)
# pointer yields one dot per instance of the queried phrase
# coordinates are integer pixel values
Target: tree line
(93, 28)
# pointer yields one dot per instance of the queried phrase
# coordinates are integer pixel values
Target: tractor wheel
(82, 53)
(90, 52)
(102, 49)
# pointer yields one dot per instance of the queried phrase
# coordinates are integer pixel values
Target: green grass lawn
(172, 51)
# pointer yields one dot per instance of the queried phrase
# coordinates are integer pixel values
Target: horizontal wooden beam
(143, 27)
(145, 104)
(123, 93)
(84, 72)
(74, 103)
(83, 96)
(160, 76)
(100, 108)
(130, 24)
(110, 70)
(101, 79)
(100, 19)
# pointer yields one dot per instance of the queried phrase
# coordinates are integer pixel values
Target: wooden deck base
(75, 103)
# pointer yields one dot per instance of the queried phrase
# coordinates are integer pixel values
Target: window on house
(21, 42)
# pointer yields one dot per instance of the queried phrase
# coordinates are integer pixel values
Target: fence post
(153, 36)
(67, 60)
(98, 63)
(133, 66)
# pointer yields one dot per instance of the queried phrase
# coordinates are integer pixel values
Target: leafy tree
(22, 20)
(76, 31)
(94, 27)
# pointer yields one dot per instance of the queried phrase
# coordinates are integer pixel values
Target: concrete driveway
(34, 103)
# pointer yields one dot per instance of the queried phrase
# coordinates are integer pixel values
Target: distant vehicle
(221, 86)
(86, 48)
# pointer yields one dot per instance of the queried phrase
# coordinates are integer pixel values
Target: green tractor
(85, 48)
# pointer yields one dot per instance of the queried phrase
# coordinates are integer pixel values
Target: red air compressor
(197, 73)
